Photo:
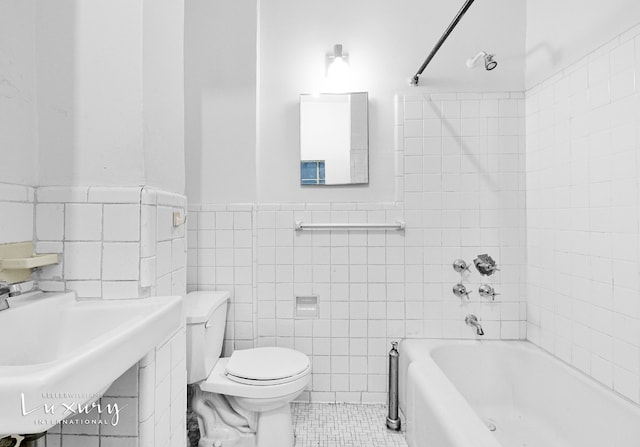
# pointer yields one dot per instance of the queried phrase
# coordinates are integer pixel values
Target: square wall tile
(83, 222)
(127, 408)
(122, 223)
(50, 221)
(82, 260)
(120, 261)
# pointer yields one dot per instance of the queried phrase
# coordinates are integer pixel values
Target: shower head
(489, 63)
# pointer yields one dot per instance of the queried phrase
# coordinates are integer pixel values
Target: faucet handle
(460, 290)
(459, 265)
(487, 290)
(485, 265)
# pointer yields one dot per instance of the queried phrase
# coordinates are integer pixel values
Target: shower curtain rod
(452, 25)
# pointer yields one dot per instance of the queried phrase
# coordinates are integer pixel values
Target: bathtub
(453, 393)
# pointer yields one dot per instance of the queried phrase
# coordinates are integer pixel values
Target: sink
(58, 353)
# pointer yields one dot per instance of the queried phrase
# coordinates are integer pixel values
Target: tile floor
(343, 425)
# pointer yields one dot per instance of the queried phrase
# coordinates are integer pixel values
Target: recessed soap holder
(18, 259)
(307, 307)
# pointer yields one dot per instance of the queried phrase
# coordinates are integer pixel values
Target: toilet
(242, 400)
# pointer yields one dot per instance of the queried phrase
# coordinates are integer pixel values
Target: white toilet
(242, 400)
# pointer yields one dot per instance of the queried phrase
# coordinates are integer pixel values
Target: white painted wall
(561, 32)
(110, 93)
(220, 100)
(18, 142)
(89, 76)
(163, 94)
(386, 43)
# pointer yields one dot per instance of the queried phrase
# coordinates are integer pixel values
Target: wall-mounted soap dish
(17, 260)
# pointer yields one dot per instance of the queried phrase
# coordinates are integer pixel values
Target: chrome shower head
(489, 63)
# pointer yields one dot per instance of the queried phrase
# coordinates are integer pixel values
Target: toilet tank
(206, 319)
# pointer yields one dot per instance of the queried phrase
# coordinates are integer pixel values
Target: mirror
(334, 139)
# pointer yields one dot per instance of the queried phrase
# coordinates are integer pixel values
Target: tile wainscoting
(121, 243)
(460, 183)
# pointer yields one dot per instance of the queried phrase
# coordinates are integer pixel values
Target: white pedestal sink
(57, 353)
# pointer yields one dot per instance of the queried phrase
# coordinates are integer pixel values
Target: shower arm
(452, 25)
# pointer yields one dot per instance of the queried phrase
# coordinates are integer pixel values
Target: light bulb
(338, 70)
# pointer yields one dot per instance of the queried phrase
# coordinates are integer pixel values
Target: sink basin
(57, 353)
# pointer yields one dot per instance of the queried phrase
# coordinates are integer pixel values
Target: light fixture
(337, 64)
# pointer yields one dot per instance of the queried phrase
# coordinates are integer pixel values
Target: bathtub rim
(421, 346)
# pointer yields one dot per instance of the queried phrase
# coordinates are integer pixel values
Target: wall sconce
(337, 64)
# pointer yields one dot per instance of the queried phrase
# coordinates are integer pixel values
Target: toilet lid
(266, 364)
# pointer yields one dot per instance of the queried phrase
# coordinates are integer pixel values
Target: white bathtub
(451, 390)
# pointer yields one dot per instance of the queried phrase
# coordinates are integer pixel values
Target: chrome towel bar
(399, 225)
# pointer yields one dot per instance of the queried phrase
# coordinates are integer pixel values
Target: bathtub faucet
(472, 321)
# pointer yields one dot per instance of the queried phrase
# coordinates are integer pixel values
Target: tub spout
(472, 321)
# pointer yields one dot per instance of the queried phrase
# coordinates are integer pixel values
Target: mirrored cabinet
(334, 139)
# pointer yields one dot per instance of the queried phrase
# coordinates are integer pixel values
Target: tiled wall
(460, 184)
(462, 173)
(583, 229)
(152, 399)
(121, 243)
(221, 256)
(116, 243)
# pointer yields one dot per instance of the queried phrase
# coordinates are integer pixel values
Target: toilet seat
(219, 382)
(266, 366)
(258, 382)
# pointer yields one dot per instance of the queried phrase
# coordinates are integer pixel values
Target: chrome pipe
(399, 225)
(393, 421)
(452, 25)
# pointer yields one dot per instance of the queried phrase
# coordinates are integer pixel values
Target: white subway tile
(62, 194)
(111, 194)
(118, 290)
(86, 289)
(148, 231)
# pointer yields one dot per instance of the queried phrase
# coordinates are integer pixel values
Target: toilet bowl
(245, 396)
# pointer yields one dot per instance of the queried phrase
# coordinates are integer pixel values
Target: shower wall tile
(583, 252)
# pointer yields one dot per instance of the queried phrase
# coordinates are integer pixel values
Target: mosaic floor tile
(343, 425)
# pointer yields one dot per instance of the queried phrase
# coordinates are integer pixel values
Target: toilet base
(275, 428)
